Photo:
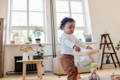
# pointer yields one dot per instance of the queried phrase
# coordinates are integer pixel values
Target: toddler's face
(69, 27)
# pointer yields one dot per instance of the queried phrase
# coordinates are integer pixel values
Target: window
(25, 17)
(74, 9)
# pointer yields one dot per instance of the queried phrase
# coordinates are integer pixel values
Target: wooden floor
(104, 74)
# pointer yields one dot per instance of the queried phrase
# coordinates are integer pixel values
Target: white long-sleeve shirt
(67, 42)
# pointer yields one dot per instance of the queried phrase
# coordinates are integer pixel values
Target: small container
(25, 56)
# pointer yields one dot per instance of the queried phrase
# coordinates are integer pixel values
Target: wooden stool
(38, 65)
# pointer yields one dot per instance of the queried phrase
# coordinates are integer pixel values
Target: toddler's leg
(69, 67)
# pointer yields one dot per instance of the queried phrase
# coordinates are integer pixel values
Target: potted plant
(40, 52)
(37, 33)
(39, 55)
(107, 59)
(30, 39)
(108, 56)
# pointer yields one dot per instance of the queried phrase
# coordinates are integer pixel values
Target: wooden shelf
(109, 53)
(105, 41)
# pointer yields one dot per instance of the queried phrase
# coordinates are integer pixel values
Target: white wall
(3, 8)
(105, 17)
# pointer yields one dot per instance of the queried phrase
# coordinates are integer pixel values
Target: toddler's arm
(80, 43)
(70, 44)
(66, 42)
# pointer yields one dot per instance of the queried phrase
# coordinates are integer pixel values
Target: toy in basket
(94, 75)
(84, 59)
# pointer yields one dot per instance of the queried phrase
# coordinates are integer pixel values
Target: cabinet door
(1, 49)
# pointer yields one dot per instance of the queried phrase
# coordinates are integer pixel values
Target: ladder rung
(105, 43)
(108, 53)
(105, 34)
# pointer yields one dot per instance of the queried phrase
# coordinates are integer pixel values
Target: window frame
(47, 38)
(84, 28)
(27, 27)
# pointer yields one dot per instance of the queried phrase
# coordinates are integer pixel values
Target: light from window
(59, 34)
(19, 19)
(36, 19)
(79, 34)
(60, 16)
(62, 6)
(76, 7)
(25, 16)
(36, 5)
(80, 22)
(19, 5)
(20, 36)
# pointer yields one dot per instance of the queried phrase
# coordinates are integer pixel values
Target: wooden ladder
(106, 42)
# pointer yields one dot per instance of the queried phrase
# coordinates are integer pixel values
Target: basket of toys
(84, 59)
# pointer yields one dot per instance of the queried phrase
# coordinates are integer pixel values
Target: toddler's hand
(76, 48)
